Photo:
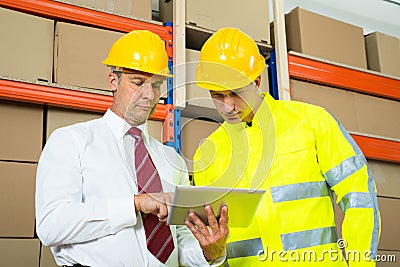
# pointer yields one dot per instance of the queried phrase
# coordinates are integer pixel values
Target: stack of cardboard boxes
(26, 53)
(387, 181)
(36, 49)
(323, 37)
(21, 144)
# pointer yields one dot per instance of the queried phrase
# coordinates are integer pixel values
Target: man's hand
(155, 203)
(212, 239)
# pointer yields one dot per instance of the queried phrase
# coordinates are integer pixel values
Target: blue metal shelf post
(273, 77)
(176, 125)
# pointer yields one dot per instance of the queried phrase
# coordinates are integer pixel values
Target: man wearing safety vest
(299, 153)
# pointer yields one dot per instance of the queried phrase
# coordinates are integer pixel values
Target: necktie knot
(135, 132)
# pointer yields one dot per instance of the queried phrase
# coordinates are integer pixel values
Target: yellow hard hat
(229, 59)
(139, 50)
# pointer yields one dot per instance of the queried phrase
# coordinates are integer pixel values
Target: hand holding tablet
(242, 204)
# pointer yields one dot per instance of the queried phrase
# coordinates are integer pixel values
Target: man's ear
(113, 81)
(258, 81)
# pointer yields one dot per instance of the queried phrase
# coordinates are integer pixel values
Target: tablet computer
(242, 204)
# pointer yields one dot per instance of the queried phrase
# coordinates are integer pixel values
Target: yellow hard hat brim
(164, 73)
(220, 77)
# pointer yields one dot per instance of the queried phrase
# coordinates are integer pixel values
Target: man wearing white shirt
(95, 205)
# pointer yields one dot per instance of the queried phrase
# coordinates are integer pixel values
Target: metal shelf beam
(379, 149)
(46, 94)
(58, 10)
(355, 80)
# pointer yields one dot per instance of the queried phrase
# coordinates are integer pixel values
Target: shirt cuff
(121, 213)
(218, 261)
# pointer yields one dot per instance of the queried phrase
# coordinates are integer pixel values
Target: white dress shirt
(85, 187)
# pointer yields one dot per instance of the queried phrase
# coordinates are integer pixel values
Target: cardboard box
(387, 177)
(19, 252)
(79, 53)
(142, 9)
(253, 18)
(26, 47)
(193, 131)
(21, 131)
(156, 129)
(390, 216)
(198, 100)
(340, 103)
(47, 258)
(357, 112)
(324, 37)
(195, 95)
(127, 8)
(17, 199)
(165, 10)
(383, 53)
(378, 116)
(60, 117)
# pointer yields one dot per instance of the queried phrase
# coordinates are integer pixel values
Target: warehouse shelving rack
(284, 66)
(300, 67)
(305, 68)
(79, 98)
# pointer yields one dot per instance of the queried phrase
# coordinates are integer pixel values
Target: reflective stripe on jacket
(312, 156)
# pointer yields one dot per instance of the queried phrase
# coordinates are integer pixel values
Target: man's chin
(232, 120)
(138, 119)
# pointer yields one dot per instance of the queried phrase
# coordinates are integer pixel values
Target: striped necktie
(158, 234)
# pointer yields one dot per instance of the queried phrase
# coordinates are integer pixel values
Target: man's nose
(228, 100)
(148, 91)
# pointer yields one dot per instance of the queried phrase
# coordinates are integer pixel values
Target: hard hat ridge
(139, 50)
(229, 59)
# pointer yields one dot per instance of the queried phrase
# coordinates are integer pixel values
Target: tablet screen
(242, 204)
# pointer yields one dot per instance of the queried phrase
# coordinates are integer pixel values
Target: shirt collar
(120, 127)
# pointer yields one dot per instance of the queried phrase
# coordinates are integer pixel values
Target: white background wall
(372, 15)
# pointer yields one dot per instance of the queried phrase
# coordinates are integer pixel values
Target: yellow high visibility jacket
(312, 156)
